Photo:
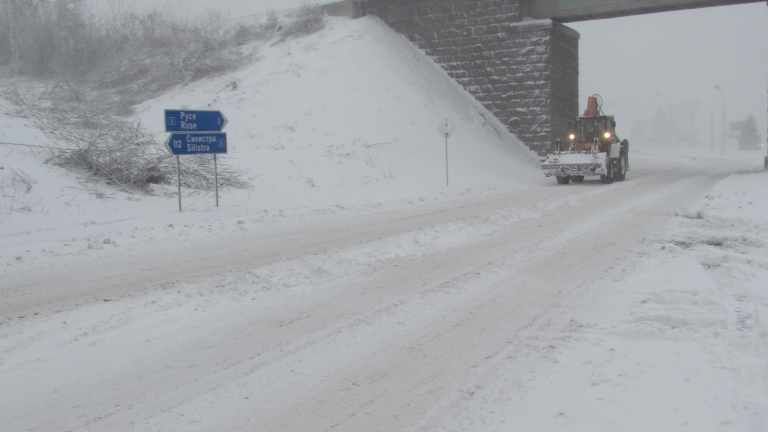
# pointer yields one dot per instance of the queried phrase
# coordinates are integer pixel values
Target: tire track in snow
(541, 282)
(219, 365)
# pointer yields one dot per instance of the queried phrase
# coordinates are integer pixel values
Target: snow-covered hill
(355, 107)
(338, 121)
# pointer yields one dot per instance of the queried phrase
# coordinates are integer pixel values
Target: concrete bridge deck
(584, 10)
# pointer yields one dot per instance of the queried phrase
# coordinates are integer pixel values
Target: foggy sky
(646, 63)
(644, 66)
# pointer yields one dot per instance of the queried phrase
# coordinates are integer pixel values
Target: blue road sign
(197, 143)
(194, 121)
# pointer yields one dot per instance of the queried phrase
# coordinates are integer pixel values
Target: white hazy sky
(669, 61)
(644, 63)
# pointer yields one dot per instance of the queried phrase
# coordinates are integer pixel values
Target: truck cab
(585, 131)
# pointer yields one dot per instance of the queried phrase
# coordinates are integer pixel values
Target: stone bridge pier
(525, 71)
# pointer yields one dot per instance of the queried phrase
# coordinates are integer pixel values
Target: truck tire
(621, 168)
(563, 180)
(608, 177)
(577, 179)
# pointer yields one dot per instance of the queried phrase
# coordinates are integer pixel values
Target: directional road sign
(194, 121)
(197, 143)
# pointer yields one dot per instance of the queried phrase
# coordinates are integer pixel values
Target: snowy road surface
(392, 321)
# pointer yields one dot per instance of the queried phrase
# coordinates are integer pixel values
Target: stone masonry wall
(525, 72)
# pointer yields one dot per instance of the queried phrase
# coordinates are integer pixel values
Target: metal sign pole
(178, 179)
(216, 178)
(446, 129)
(446, 160)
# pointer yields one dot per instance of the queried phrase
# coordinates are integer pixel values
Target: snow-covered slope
(345, 120)
(353, 107)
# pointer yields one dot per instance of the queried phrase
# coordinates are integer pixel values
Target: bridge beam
(584, 10)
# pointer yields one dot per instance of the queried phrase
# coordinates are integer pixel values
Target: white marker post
(446, 128)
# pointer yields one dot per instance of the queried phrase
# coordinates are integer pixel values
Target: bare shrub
(118, 152)
(244, 33)
(306, 21)
(99, 68)
(130, 56)
(13, 190)
(109, 149)
(197, 172)
(157, 52)
(46, 37)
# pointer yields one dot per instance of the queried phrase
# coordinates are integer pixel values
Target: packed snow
(351, 288)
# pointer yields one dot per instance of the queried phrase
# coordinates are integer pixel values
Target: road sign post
(216, 178)
(194, 121)
(197, 132)
(178, 179)
(197, 143)
(446, 128)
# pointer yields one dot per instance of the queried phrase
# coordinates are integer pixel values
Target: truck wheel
(608, 177)
(621, 168)
(563, 180)
(577, 179)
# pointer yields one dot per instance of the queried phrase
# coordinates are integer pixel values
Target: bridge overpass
(584, 10)
(514, 56)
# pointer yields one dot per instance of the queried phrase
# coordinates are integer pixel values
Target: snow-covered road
(379, 322)
(39, 291)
